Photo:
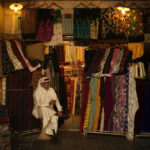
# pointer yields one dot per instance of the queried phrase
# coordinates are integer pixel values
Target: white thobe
(42, 109)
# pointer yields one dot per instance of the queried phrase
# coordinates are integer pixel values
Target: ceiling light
(16, 7)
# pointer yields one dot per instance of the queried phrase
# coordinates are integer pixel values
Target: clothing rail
(105, 132)
(145, 134)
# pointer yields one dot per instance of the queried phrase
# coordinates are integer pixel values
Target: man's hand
(52, 102)
(60, 114)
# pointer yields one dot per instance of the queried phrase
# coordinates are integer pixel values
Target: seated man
(44, 99)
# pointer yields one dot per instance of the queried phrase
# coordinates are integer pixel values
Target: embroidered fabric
(17, 64)
(132, 103)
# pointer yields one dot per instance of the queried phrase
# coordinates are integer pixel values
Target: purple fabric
(140, 88)
(107, 102)
(45, 31)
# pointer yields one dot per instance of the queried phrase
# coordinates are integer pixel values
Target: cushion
(35, 51)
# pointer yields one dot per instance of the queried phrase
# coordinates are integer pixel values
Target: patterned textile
(94, 23)
(108, 62)
(132, 103)
(7, 65)
(124, 57)
(93, 89)
(86, 93)
(87, 113)
(114, 59)
(45, 24)
(17, 53)
(30, 67)
(17, 64)
(56, 38)
(81, 23)
(120, 110)
(118, 61)
(67, 24)
(3, 100)
(98, 107)
(96, 62)
(102, 63)
(106, 30)
(115, 25)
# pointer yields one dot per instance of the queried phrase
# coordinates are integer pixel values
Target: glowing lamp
(16, 7)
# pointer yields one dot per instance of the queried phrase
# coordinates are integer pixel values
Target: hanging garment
(93, 87)
(87, 113)
(7, 65)
(17, 53)
(67, 21)
(57, 38)
(45, 24)
(137, 49)
(31, 68)
(86, 93)
(94, 22)
(107, 102)
(132, 103)
(3, 100)
(114, 59)
(120, 111)
(29, 23)
(42, 109)
(102, 63)
(117, 63)
(98, 106)
(81, 23)
(17, 64)
(124, 57)
(107, 65)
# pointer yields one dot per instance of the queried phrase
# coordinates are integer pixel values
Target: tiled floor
(77, 141)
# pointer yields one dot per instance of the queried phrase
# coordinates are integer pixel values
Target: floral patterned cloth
(120, 109)
(132, 103)
(115, 25)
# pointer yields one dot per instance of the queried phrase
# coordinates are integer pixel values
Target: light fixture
(16, 7)
(122, 7)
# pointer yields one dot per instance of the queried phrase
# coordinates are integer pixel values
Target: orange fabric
(98, 98)
(137, 49)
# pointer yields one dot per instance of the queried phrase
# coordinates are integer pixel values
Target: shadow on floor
(77, 141)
